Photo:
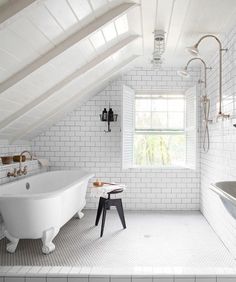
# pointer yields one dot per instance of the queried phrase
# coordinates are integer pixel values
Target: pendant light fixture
(159, 48)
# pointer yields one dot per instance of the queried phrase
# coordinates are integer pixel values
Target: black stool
(105, 204)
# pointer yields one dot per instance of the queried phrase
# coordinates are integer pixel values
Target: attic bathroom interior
(117, 140)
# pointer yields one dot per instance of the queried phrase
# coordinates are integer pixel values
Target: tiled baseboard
(121, 279)
(95, 274)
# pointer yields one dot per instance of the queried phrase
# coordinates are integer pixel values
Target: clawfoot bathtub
(38, 206)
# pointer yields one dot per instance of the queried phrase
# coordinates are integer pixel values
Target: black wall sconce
(108, 116)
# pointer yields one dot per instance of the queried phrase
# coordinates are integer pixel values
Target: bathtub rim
(87, 175)
(221, 192)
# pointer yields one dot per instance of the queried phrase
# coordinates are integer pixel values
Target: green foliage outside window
(159, 150)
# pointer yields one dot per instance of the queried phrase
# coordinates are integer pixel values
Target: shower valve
(222, 116)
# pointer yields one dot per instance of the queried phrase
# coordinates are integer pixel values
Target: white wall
(219, 164)
(79, 141)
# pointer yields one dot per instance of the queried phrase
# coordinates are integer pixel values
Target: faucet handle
(15, 172)
(25, 170)
(19, 172)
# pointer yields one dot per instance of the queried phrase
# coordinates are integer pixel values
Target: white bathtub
(226, 190)
(38, 206)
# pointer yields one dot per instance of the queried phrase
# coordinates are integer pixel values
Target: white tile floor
(167, 240)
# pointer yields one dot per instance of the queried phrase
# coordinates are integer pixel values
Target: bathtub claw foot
(47, 249)
(11, 247)
(80, 214)
(47, 238)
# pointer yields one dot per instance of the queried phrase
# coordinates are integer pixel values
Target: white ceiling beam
(164, 14)
(73, 102)
(179, 13)
(12, 7)
(148, 25)
(69, 79)
(109, 16)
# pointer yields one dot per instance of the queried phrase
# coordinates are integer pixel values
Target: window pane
(159, 120)
(143, 120)
(176, 120)
(143, 105)
(176, 105)
(159, 105)
(159, 150)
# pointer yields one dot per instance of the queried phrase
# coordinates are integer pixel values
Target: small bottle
(110, 115)
(104, 115)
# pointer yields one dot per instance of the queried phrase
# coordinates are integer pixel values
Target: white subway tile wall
(219, 164)
(10, 150)
(79, 142)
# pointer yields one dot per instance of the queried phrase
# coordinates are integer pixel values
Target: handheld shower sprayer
(206, 103)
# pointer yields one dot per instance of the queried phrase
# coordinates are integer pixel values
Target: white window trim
(166, 131)
(172, 167)
(154, 92)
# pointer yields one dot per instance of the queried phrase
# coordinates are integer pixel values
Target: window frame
(160, 131)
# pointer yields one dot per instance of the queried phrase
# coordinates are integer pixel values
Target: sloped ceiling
(56, 54)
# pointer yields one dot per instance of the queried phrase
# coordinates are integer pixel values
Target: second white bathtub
(38, 206)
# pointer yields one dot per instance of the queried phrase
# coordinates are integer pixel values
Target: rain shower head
(193, 50)
(183, 72)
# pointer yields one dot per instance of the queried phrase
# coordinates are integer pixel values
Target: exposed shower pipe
(205, 101)
(194, 51)
(184, 72)
(205, 69)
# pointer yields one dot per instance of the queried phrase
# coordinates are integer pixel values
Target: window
(159, 128)
(159, 137)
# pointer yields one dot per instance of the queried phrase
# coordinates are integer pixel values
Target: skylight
(97, 39)
(122, 24)
(109, 32)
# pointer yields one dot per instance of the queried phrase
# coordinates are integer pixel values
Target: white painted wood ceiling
(55, 54)
(184, 22)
